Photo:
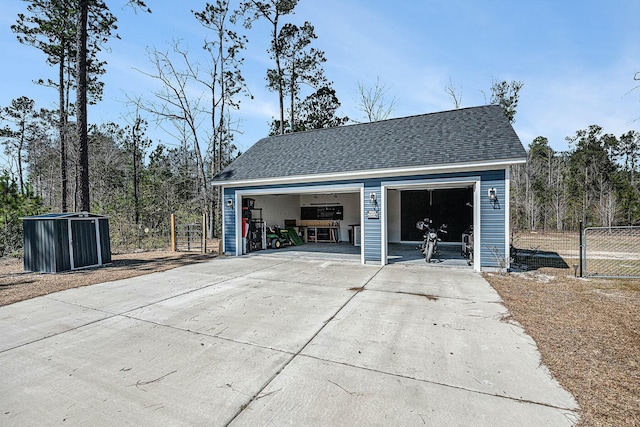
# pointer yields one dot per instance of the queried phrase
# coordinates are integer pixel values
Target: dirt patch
(588, 333)
(17, 285)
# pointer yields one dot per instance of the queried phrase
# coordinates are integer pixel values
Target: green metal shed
(58, 242)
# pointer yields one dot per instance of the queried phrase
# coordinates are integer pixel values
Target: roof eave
(375, 173)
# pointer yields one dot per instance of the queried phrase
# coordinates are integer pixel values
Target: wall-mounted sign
(373, 215)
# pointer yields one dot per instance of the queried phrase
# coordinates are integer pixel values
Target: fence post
(204, 233)
(173, 233)
(581, 248)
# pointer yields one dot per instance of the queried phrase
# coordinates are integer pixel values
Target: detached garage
(375, 180)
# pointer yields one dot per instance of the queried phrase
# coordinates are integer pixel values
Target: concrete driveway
(263, 340)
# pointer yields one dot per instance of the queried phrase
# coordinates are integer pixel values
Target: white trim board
(375, 173)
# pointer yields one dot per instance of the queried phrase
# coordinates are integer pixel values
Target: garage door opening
(452, 207)
(441, 204)
(323, 223)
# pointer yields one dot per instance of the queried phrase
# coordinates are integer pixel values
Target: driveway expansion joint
(259, 394)
(466, 389)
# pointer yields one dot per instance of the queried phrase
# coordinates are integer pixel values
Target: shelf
(322, 234)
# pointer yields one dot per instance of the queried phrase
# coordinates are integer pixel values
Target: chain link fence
(608, 252)
(531, 250)
(612, 252)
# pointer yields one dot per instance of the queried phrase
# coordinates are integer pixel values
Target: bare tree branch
(456, 96)
(373, 103)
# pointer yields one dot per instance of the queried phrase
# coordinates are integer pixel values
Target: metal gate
(612, 252)
(188, 237)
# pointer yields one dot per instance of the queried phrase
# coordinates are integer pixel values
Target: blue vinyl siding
(492, 215)
(230, 221)
(492, 219)
(372, 227)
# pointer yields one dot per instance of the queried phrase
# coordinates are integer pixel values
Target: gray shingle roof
(467, 135)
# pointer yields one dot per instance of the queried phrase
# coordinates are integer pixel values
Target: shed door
(84, 243)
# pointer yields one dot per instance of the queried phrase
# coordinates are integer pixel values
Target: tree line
(70, 164)
(58, 161)
(594, 182)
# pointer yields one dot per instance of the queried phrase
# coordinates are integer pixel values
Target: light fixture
(373, 197)
(230, 203)
(492, 193)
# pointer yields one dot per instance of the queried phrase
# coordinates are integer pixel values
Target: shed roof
(457, 137)
(62, 215)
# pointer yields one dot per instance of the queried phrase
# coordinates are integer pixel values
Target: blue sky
(576, 58)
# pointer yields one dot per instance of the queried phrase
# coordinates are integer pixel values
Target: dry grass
(17, 285)
(588, 333)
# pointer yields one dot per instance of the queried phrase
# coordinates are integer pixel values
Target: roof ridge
(351, 125)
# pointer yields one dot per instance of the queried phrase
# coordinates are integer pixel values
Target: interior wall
(442, 206)
(349, 201)
(393, 216)
(277, 208)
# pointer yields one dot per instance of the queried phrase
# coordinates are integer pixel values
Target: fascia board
(375, 173)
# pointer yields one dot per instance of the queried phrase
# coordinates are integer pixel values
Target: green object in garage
(293, 236)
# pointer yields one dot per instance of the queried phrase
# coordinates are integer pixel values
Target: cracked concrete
(264, 340)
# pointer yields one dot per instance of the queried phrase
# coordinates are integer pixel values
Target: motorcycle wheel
(470, 259)
(429, 252)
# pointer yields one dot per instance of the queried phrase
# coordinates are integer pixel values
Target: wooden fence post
(173, 233)
(582, 254)
(204, 233)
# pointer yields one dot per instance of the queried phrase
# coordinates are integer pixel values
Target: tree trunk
(81, 105)
(216, 207)
(136, 196)
(62, 128)
(20, 148)
(277, 52)
(292, 96)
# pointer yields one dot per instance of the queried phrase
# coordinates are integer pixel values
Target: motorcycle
(467, 245)
(467, 242)
(431, 238)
